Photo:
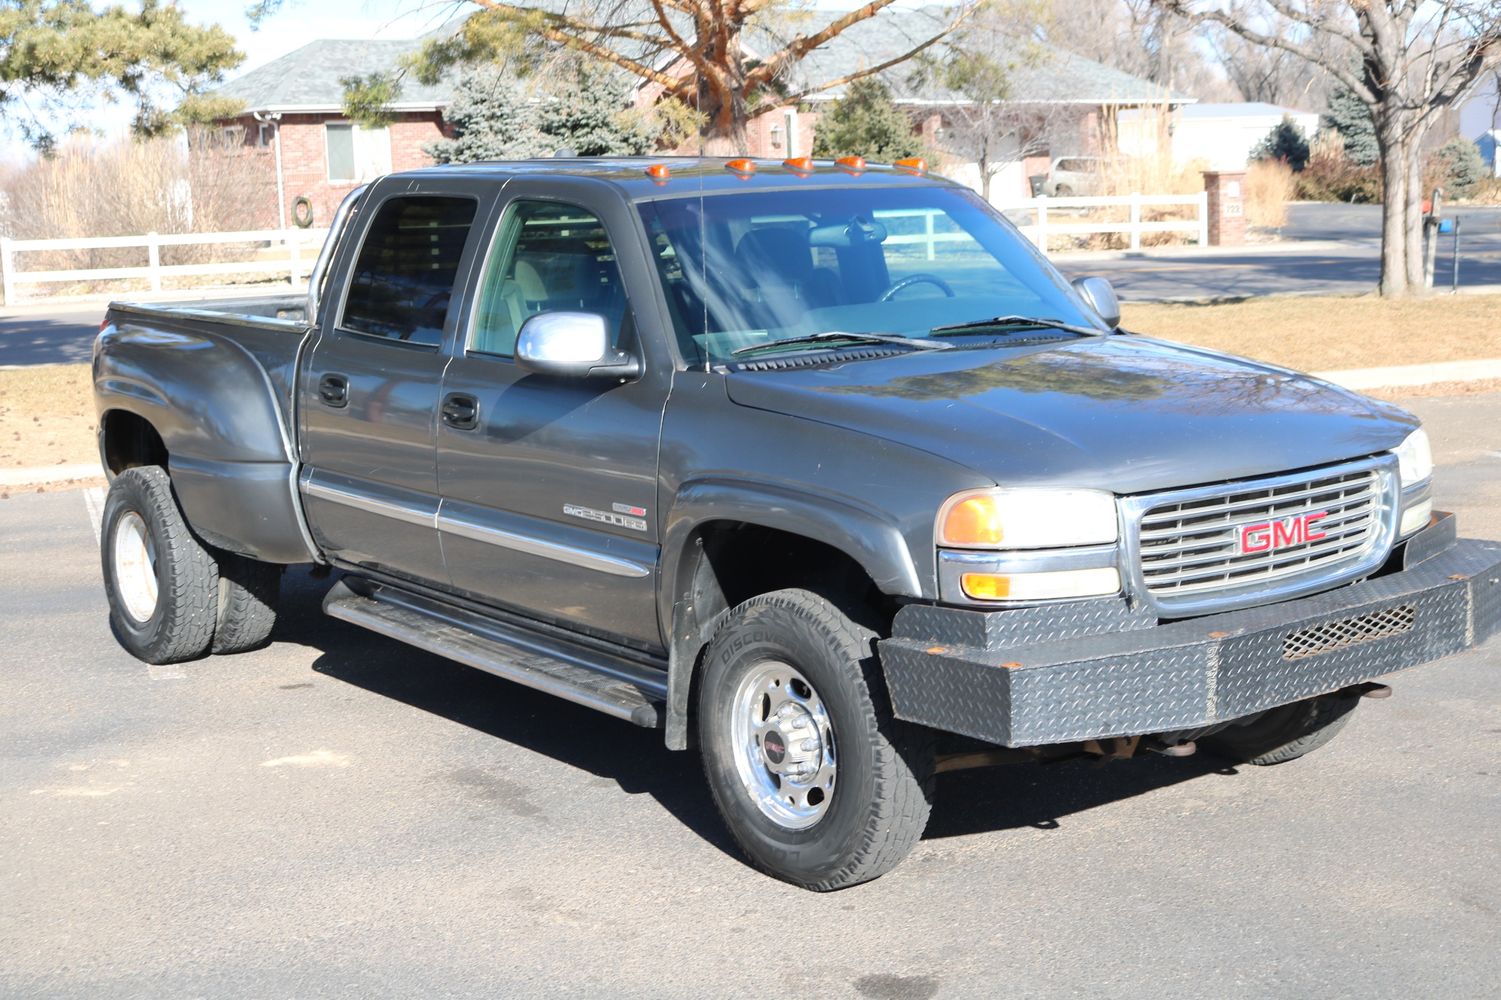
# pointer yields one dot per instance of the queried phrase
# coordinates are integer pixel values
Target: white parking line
(93, 503)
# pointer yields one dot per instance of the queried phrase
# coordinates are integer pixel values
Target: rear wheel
(816, 781)
(161, 583)
(1282, 734)
(248, 591)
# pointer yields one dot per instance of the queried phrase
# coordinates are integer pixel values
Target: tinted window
(547, 257)
(404, 277)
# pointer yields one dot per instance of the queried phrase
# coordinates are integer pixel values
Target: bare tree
(1136, 37)
(1407, 60)
(1273, 75)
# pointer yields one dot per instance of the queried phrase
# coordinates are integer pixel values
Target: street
(1350, 265)
(39, 333)
(341, 816)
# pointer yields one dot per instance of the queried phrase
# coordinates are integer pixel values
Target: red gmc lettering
(1268, 535)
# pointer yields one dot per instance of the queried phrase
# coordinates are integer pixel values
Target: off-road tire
(1282, 734)
(181, 626)
(248, 590)
(884, 789)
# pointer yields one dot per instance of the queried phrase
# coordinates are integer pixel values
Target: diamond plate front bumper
(1093, 669)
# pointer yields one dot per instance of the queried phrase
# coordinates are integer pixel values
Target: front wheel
(816, 781)
(1285, 733)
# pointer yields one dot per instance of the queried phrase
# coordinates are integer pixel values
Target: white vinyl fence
(284, 252)
(291, 252)
(1065, 217)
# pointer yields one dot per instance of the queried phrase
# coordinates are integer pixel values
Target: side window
(546, 257)
(403, 279)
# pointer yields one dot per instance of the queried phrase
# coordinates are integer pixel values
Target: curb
(1410, 376)
(50, 475)
(1301, 293)
(1285, 247)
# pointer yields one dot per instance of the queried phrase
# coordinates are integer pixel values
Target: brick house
(293, 121)
(293, 115)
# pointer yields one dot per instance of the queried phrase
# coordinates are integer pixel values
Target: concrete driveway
(340, 816)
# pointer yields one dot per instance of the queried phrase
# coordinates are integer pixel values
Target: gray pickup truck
(817, 466)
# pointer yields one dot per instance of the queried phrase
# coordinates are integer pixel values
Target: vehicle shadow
(1020, 796)
(43, 340)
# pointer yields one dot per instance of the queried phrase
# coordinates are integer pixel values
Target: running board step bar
(595, 679)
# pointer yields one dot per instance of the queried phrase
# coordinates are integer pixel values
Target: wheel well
(130, 442)
(738, 561)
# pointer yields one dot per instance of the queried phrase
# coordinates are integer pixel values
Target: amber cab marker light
(912, 165)
(799, 164)
(854, 164)
(742, 167)
(658, 172)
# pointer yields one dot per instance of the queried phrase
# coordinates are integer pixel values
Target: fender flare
(871, 538)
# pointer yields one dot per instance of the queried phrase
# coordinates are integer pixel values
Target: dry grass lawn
(1330, 333)
(46, 416)
(47, 412)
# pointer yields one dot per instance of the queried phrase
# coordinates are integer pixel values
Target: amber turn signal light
(974, 520)
(986, 586)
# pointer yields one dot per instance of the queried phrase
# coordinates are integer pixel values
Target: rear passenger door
(549, 484)
(370, 393)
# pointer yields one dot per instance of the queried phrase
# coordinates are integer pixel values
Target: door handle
(334, 390)
(461, 411)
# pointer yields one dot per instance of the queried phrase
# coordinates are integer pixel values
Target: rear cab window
(402, 283)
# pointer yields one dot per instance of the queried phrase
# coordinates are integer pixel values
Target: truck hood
(1122, 413)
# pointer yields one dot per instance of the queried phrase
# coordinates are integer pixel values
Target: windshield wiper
(1014, 323)
(853, 338)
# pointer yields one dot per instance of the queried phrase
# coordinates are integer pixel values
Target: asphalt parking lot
(340, 816)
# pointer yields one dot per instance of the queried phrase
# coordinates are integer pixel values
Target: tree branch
(553, 33)
(861, 74)
(1340, 72)
(803, 44)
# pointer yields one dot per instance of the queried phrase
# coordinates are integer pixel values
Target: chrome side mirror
(572, 345)
(1100, 296)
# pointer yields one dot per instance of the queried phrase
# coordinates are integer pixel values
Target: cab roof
(690, 175)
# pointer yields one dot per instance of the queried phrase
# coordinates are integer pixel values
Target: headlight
(1027, 519)
(1415, 458)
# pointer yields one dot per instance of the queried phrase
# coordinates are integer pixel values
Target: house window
(356, 153)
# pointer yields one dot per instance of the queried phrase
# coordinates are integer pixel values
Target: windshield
(742, 270)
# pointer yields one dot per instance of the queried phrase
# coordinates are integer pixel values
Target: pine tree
(493, 117)
(60, 54)
(1349, 116)
(865, 122)
(1284, 142)
(591, 115)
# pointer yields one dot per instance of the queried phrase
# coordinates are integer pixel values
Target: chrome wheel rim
(135, 567)
(784, 745)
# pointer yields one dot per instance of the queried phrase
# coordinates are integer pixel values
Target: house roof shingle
(309, 78)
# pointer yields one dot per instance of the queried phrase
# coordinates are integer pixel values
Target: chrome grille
(1189, 549)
